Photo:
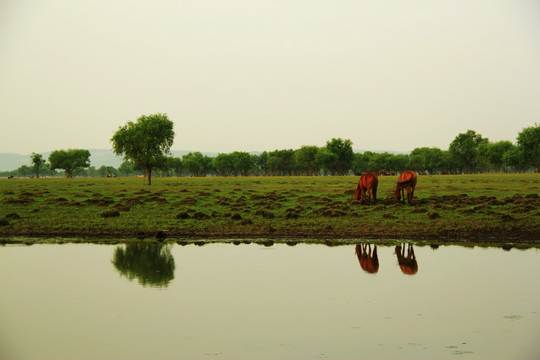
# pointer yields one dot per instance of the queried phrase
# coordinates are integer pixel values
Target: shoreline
(530, 240)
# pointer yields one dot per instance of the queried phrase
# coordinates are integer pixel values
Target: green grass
(495, 208)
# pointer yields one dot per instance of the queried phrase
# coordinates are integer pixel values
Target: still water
(281, 302)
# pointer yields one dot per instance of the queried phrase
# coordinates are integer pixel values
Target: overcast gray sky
(268, 74)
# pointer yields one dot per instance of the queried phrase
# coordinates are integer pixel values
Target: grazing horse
(368, 261)
(407, 180)
(367, 184)
(407, 259)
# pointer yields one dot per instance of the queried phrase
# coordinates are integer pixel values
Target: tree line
(146, 143)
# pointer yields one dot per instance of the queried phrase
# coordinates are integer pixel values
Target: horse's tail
(374, 186)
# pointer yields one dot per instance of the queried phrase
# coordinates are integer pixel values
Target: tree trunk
(149, 173)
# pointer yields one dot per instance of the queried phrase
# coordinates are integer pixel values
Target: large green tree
(38, 161)
(69, 160)
(281, 162)
(243, 162)
(224, 165)
(464, 149)
(126, 168)
(491, 154)
(342, 149)
(175, 164)
(529, 143)
(430, 159)
(197, 164)
(145, 142)
(306, 160)
(515, 158)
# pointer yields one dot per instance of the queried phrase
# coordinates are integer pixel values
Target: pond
(220, 301)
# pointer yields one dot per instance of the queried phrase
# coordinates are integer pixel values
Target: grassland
(496, 208)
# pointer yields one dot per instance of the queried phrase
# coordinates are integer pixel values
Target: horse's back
(370, 179)
(407, 176)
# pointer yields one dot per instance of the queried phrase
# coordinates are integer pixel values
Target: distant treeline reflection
(369, 260)
(152, 264)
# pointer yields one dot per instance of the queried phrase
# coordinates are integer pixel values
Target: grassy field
(496, 208)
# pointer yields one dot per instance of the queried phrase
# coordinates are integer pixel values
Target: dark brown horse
(367, 185)
(368, 261)
(406, 259)
(407, 180)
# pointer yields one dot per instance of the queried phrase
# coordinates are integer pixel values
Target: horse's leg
(402, 194)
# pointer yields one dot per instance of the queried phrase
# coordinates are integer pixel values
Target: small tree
(69, 160)
(38, 161)
(261, 163)
(145, 142)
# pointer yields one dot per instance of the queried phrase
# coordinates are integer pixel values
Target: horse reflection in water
(369, 261)
(407, 259)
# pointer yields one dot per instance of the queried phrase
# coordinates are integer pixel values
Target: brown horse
(367, 185)
(368, 261)
(407, 259)
(407, 180)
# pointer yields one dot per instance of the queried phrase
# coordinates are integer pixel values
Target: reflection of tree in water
(151, 264)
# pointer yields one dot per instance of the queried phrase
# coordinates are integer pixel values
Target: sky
(261, 75)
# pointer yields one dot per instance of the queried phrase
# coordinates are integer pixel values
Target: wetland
(220, 301)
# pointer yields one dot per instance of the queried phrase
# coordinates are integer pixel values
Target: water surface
(223, 301)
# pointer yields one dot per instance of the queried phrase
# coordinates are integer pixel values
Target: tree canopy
(529, 142)
(342, 149)
(69, 160)
(145, 142)
(464, 149)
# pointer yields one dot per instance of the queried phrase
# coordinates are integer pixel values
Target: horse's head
(397, 194)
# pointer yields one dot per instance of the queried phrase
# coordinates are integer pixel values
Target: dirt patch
(265, 214)
(106, 201)
(13, 216)
(18, 201)
(183, 215)
(110, 213)
(188, 201)
(199, 215)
